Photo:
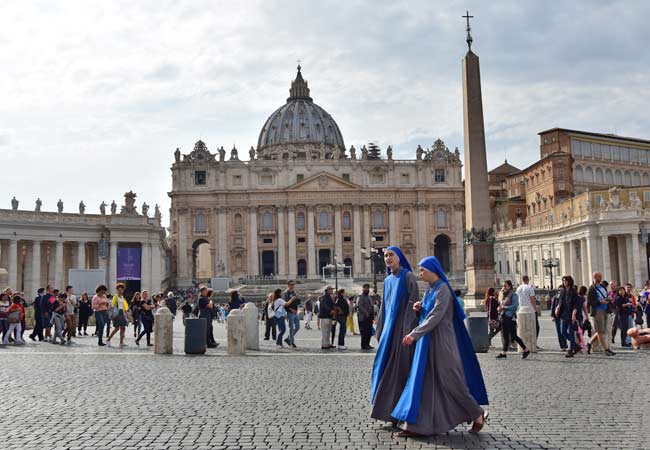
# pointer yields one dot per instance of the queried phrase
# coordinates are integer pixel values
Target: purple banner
(128, 263)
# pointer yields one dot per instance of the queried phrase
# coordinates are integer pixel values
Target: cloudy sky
(95, 96)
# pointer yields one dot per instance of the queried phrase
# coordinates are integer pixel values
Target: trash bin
(195, 335)
(477, 327)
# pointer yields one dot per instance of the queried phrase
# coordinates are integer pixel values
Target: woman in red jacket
(15, 315)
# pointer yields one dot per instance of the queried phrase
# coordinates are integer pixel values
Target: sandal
(406, 433)
(477, 427)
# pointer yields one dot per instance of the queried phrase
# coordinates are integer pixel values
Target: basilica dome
(299, 121)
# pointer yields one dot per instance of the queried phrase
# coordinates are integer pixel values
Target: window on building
(347, 223)
(525, 266)
(236, 180)
(598, 199)
(200, 177)
(324, 220)
(199, 223)
(377, 178)
(535, 268)
(633, 196)
(439, 176)
(347, 238)
(266, 179)
(238, 222)
(301, 240)
(378, 219)
(406, 219)
(267, 221)
(508, 266)
(346, 176)
(300, 177)
(577, 174)
(627, 180)
(600, 178)
(646, 196)
(300, 221)
(645, 179)
(405, 178)
(441, 218)
(636, 179)
(609, 177)
(267, 241)
(500, 268)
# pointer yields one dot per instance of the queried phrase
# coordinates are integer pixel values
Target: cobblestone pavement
(85, 397)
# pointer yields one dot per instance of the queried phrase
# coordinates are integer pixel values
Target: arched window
(238, 222)
(267, 221)
(577, 174)
(600, 179)
(378, 219)
(636, 179)
(609, 177)
(406, 219)
(441, 218)
(300, 221)
(589, 175)
(618, 178)
(347, 222)
(627, 180)
(199, 223)
(324, 220)
(646, 179)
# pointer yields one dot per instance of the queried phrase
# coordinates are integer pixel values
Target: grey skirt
(120, 320)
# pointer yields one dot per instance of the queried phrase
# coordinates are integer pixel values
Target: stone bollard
(477, 327)
(163, 332)
(526, 327)
(236, 325)
(252, 327)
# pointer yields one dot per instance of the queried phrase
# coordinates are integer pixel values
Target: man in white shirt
(526, 295)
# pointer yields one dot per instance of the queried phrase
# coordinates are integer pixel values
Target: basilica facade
(303, 201)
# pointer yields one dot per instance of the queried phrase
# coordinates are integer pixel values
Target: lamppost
(550, 263)
(336, 267)
(372, 257)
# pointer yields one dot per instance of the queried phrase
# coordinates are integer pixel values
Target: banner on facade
(129, 263)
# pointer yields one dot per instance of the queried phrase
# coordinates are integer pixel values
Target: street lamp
(336, 267)
(550, 263)
(372, 256)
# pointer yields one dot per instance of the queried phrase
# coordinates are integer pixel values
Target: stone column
(222, 239)
(367, 236)
(183, 253)
(157, 268)
(282, 251)
(630, 259)
(13, 264)
(421, 231)
(637, 268)
(293, 263)
(607, 268)
(81, 255)
(584, 264)
(253, 253)
(58, 266)
(338, 235)
(36, 267)
(393, 232)
(146, 264)
(112, 266)
(311, 244)
(459, 237)
(357, 270)
(621, 247)
(573, 256)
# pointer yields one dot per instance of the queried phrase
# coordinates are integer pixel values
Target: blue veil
(409, 403)
(394, 293)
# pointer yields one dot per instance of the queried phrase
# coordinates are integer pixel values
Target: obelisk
(479, 240)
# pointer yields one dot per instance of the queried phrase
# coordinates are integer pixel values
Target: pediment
(324, 181)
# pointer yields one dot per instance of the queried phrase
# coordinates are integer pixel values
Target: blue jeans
(101, 317)
(561, 339)
(294, 326)
(282, 327)
(4, 325)
(568, 332)
(342, 328)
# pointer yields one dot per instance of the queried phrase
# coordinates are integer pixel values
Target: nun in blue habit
(396, 318)
(445, 385)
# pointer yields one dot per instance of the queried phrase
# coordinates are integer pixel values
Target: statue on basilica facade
(39, 203)
(234, 155)
(129, 203)
(251, 153)
(145, 209)
(389, 153)
(113, 208)
(419, 152)
(59, 206)
(177, 155)
(102, 208)
(222, 154)
(157, 213)
(336, 154)
(82, 207)
(14, 204)
(353, 152)
(364, 152)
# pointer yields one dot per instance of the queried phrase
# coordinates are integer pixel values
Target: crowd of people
(583, 316)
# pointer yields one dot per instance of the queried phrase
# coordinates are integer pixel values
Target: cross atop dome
(299, 89)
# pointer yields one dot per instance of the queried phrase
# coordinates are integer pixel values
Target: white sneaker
(341, 347)
(108, 343)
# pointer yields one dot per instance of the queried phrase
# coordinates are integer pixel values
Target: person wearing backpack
(15, 315)
(119, 308)
(566, 311)
(508, 308)
(598, 302)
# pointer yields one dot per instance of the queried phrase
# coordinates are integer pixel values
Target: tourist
(624, 309)
(396, 317)
(58, 317)
(365, 316)
(171, 304)
(186, 308)
(445, 386)
(526, 295)
(135, 305)
(613, 292)
(145, 306)
(630, 321)
(566, 311)
(291, 306)
(556, 320)
(645, 296)
(507, 308)
(580, 321)
(491, 306)
(268, 316)
(325, 315)
(46, 311)
(599, 303)
(85, 311)
(38, 319)
(100, 306)
(205, 307)
(71, 307)
(317, 312)
(119, 309)
(309, 311)
(280, 315)
(5, 303)
(236, 301)
(350, 320)
(342, 308)
(15, 317)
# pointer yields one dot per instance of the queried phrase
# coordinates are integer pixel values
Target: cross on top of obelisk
(469, 29)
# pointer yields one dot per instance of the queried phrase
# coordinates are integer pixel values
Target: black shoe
(569, 354)
(588, 349)
(367, 347)
(31, 336)
(294, 345)
(266, 339)
(501, 355)
(287, 341)
(149, 345)
(101, 344)
(608, 352)
(137, 342)
(525, 354)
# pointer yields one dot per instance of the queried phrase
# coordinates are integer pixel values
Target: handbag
(13, 317)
